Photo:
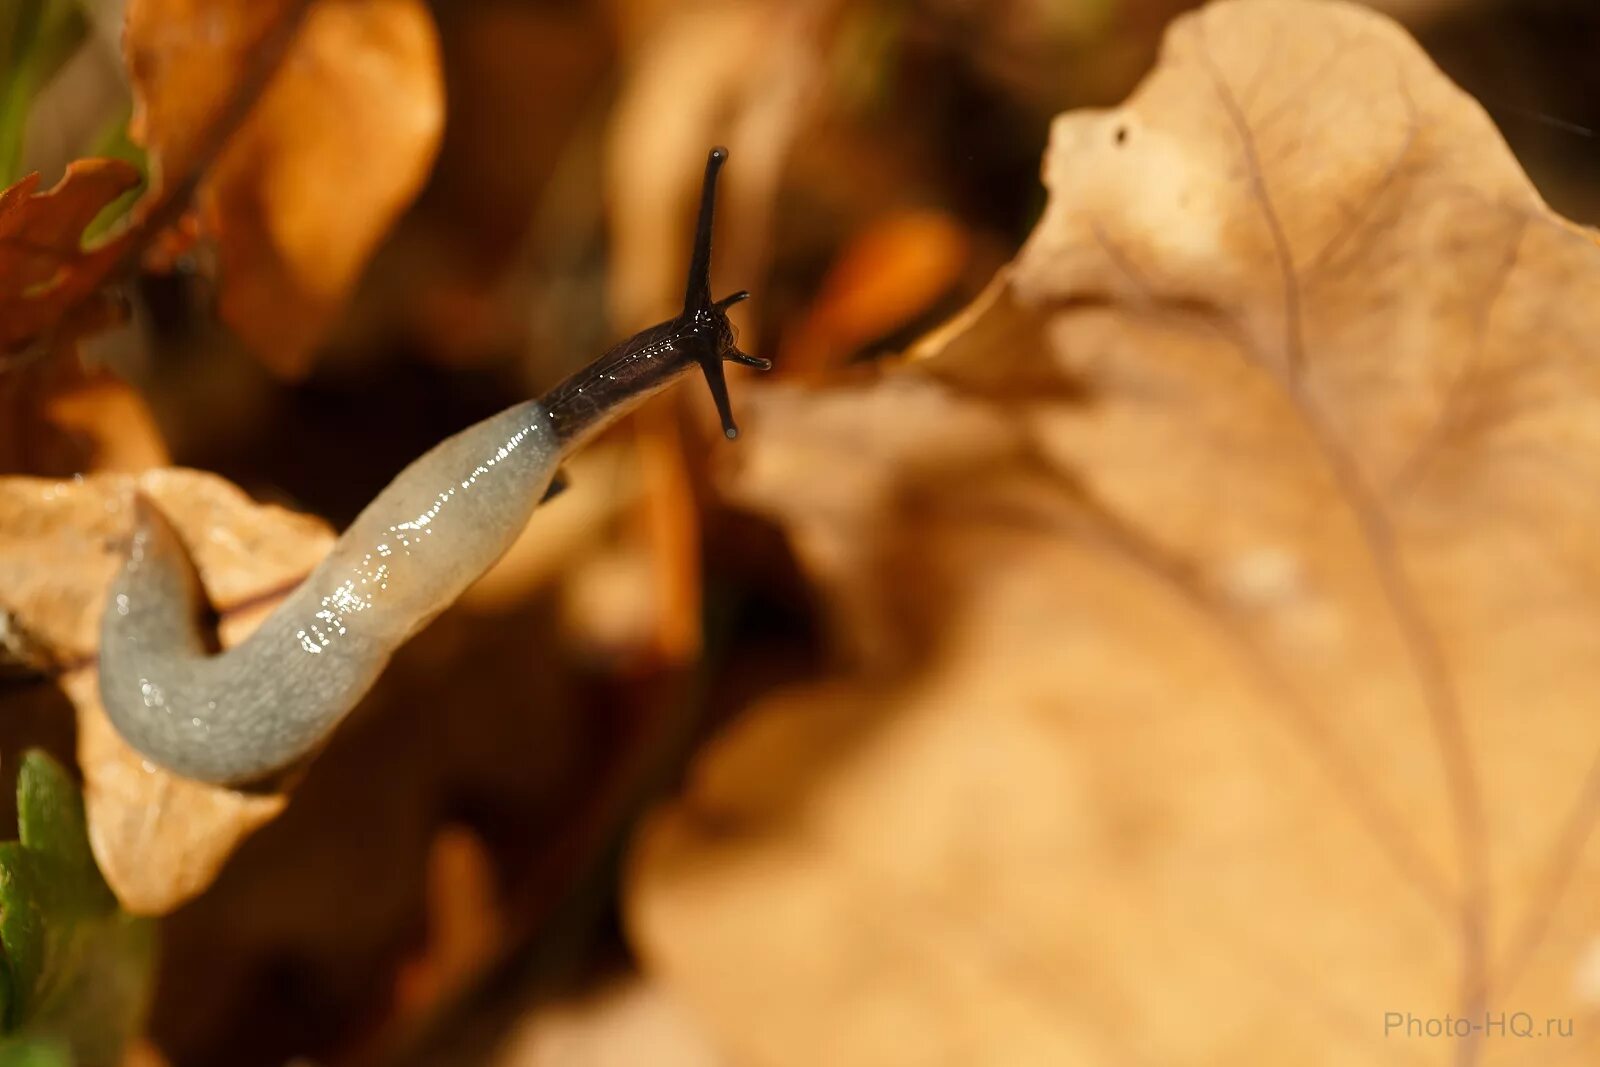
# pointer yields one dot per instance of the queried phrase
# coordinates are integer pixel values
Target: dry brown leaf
(45, 270)
(666, 529)
(891, 272)
(159, 839)
(1223, 594)
(625, 1022)
(110, 418)
(59, 418)
(1422, 12)
(467, 926)
(141, 1053)
(337, 144)
(741, 74)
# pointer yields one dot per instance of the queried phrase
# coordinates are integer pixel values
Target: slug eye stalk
(700, 335)
(709, 318)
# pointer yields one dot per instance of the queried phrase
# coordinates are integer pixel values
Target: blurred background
(442, 888)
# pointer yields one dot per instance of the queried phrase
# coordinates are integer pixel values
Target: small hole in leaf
(1121, 136)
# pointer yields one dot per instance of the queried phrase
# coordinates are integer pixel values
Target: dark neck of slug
(597, 395)
(649, 361)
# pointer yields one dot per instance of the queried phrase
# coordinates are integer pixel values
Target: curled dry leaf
(329, 153)
(56, 416)
(45, 270)
(1239, 558)
(158, 839)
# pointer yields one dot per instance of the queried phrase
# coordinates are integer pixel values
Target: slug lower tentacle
(266, 704)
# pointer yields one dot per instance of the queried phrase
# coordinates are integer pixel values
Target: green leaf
(43, 1052)
(114, 143)
(36, 39)
(76, 976)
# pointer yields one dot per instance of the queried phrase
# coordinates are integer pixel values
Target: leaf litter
(1215, 600)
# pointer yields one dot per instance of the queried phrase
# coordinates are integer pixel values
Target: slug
(262, 707)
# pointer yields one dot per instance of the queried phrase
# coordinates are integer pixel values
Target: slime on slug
(268, 703)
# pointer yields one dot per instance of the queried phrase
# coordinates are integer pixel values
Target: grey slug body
(266, 704)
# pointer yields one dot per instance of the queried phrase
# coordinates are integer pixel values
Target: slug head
(708, 336)
(700, 335)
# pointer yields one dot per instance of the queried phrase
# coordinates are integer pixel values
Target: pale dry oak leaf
(159, 839)
(1221, 597)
